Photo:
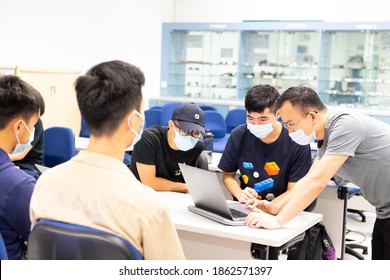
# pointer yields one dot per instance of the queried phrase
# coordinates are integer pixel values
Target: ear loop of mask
(130, 127)
(25, 125)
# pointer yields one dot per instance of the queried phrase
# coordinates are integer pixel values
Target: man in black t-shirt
(156, 155)
(268, 159)
(263, 152)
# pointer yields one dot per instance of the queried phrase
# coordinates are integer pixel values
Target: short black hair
(107, 92)
(18, 98)
(260, 97)
(304, 98)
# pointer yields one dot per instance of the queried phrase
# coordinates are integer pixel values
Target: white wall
(239, 10)
(80, 33)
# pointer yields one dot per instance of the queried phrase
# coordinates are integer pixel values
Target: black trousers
(380, 243)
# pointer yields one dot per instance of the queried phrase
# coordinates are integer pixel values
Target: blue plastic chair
(127, 159)
(167, 111)
(156, 107)
(84, 131)
(152, 117)
(59, 145)
(207, 108)
(53, 240)
(234, 118)
(3, 249)
(215, 122)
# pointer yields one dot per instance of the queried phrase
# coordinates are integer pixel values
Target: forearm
(15, 157)
(281, 200)
(303, 193)
(21, 155)
(162, 184)
(232, 185)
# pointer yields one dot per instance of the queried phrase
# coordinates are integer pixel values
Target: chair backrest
(207, 108)
(84, 130)
(152, 117)
(3, 249)
(215, 122)
(167, 111)
(52, 240)
(59, 145)
(234, 118)
(202, 162)
(156, 107)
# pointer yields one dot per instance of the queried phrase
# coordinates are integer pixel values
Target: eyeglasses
(290, 126)
(195, 134)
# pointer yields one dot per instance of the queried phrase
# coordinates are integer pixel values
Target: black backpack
(316, 245)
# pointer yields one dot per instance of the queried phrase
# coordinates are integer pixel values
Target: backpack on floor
(316, 245)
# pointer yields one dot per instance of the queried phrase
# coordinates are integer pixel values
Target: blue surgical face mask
(138, 135)
(184, 143)
(21, 147)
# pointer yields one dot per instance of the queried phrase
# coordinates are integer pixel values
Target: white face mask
(301, 138)
(184, 143)
(21, 147)
(260, 130)
(137, 134)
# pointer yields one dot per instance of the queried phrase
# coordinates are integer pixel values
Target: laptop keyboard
(237, 214)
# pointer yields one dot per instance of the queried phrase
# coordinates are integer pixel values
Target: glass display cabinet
(348, 64)
(280, 58)
(203, 64)
(355, 68)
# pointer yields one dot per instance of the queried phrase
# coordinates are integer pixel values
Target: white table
(202, 238)
(328, 204)
(81, 143)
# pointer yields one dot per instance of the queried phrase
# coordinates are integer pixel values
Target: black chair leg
(359, 246)
(352, 252)
(359, 212)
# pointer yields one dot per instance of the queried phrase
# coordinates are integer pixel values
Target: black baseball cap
(189, 116)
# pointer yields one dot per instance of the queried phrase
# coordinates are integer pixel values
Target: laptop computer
(209, 199)
(42, 168)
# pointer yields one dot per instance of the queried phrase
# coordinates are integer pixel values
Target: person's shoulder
(341, 120)
(147, 196)
(69, 167)
(12, 177)
(343, 116)
(155, 131)
(239, 131)
(9, 172)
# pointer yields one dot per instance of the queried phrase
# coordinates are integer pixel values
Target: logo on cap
(197, 116)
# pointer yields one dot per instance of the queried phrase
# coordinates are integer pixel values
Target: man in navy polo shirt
(20, 104)
(270, 163)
